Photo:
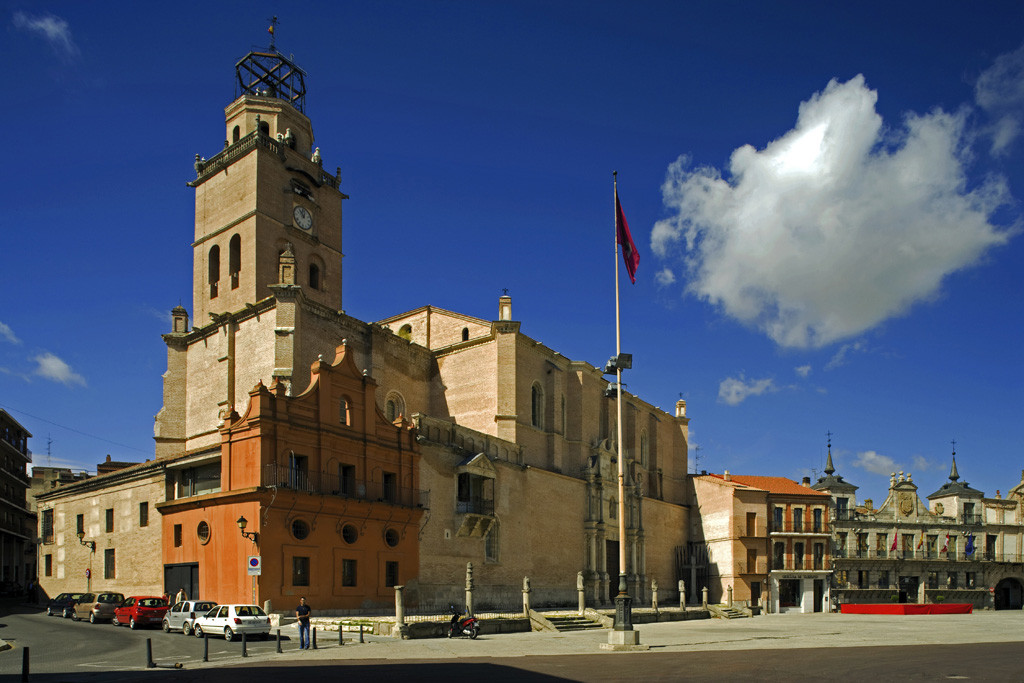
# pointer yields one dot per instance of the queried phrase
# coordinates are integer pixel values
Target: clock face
(303, 219)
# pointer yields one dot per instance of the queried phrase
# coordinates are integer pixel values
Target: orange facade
(328, 484)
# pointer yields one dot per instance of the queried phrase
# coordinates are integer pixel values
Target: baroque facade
(959, 546)
(485, 427)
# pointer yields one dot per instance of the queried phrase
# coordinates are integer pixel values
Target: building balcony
(327, 484)
(973, 520)
(929, 556)
(799, 528)
(476, 507)
(802, 564)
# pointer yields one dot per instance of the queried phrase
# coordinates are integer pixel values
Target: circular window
(300, 529)
(203, 532)
(391, 537)
(349, 534)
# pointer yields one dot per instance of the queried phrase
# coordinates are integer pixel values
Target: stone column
(469, 589)
(403, 630)
(704, 596)
(581, 593)
(526, 596)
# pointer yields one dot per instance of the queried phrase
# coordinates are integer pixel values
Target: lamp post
(91, 545)
(255, 538)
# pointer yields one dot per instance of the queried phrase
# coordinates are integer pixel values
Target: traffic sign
(254, 565)
(88, 573)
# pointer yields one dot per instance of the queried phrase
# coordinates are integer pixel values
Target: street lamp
(91, 545)
(252, 535)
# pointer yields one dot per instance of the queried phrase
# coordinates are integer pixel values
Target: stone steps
(573, 623)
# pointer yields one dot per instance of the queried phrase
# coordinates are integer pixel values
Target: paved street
(982, 646)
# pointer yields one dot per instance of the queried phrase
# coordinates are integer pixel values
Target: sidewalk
(762, 632)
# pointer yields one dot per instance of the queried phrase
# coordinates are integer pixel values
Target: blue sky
(825, 198)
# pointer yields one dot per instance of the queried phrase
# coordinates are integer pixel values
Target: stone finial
(316, 158)
(579, 581)
(526, 584)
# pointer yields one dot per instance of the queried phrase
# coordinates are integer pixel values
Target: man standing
(302, 614)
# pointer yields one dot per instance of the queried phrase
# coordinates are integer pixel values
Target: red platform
(908, 608)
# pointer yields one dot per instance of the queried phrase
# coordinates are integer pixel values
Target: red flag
(894, 537)
(945, 548)
(622, 236)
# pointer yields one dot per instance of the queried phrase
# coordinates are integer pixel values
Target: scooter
(462, 627)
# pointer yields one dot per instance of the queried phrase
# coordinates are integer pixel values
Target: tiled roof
(777, 485)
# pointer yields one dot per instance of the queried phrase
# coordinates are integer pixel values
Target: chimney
(727, 476)
(806, 482)
(869, 504)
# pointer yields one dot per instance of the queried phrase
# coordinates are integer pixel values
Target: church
(302, 452)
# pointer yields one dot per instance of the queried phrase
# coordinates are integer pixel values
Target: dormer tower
(264, 190)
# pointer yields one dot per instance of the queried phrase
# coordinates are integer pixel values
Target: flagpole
(618, 397)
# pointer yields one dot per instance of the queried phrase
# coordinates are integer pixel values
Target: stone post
(729, 590)
(704, 596)
(580, 593)
(682, 594)
(403, 630)
(654, 595)
(526, 597)
(469, 589)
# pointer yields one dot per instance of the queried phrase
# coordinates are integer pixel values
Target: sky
(825, 198)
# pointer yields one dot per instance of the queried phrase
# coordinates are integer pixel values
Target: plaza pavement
(762, 632)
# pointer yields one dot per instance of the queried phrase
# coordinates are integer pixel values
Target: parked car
(63, 604)
(140, 610)
(97, 607)
(233, 620)
(181, 615)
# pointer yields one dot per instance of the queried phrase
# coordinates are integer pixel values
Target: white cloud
(923, 464)
(7, 333)
(835, 226)
(839, 358)
(875, 462)
(1000, 92)
(733, 391)
(54, 29)
(53, 368)
(803, 370)
(664, 277)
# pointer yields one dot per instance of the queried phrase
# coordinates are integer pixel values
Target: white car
(182, 614)
(231, 621)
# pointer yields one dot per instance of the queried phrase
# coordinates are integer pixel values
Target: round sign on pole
(254, 565)
(88, 573)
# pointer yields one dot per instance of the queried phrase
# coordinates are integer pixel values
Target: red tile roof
(776, 485)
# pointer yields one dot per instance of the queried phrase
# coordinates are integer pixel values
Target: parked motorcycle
(462, 627)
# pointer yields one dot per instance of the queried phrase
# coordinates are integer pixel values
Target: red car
(141, 610)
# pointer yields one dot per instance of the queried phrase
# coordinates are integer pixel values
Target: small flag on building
(895, 537)
(945, 548)
(969, 548)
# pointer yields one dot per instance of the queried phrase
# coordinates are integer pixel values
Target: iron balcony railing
(798, 528)
(325, 483)
(477, 507)
(208, 167)
(935, 555)
(805, 564)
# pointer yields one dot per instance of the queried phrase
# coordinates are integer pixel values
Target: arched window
(314, 276)
(537, 406)
(465, 334)
(264, 127)
(344, 412)
(235, 133)
(405, 332)
(645, 450)
(394, 406)
(234, 259)
(214, 270)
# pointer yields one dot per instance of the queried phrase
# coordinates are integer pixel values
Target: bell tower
(265, 190)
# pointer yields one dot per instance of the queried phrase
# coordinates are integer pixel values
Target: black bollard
(314, 637)
(341, 634)
(206, 648)
(278, 641)
(149, 653)
(360, 633)
(24, 664)
(245, 652)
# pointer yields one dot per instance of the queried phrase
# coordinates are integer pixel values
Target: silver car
(233, 620)
(182, 615)
(97, 608)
